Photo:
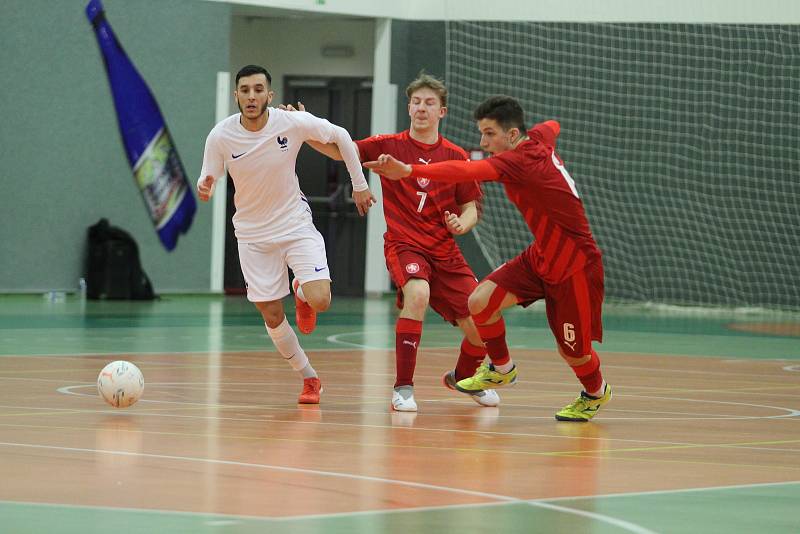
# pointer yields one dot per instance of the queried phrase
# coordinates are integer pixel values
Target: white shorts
(264, 264)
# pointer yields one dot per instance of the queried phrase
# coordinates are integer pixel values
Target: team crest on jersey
(423, 182)
(412, 268)
(283, 142)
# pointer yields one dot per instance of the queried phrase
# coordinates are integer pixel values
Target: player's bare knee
(416, 296)
(319, 302)
(273, 316)
(317, 294)
(476, 303)
(417, 301)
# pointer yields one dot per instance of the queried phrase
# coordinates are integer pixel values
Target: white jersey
(268, 199)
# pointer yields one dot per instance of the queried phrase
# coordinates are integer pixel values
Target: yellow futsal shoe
(584, 407)
(487, 378)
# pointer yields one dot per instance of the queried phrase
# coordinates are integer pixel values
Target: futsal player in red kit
(563, 265)
(422, 256)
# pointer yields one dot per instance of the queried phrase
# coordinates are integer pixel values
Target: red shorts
(573, 306)
(451, 280)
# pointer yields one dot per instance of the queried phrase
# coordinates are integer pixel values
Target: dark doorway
(346, 102)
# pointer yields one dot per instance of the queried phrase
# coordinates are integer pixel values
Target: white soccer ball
(120, 383)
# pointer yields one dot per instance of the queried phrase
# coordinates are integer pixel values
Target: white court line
(792, 411)
(322, 365)
(67, 390)
(349, 346)
(273, 420)
(198, 353)
(673, 491)
(632, 494)
(335, 340)
(621, 523)
(540, 502)
(626, 525)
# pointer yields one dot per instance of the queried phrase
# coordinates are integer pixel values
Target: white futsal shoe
(486, 397)
(403, 399)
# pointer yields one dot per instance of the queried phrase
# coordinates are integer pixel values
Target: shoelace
(580, 404)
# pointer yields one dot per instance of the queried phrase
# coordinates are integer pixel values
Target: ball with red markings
(120, 384)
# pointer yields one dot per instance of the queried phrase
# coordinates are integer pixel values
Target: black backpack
(113, 267)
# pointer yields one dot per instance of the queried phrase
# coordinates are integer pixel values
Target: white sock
(599, 393)
(288, 345)
(308, 371)
(505, 368)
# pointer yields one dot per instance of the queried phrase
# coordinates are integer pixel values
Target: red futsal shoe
(304, 314)
(312, 387)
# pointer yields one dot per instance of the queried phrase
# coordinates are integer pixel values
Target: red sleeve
(546, 132)
(370, 148)
(511, 165)
(456, 171)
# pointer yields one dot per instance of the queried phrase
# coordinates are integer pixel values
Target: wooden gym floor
(703, 433)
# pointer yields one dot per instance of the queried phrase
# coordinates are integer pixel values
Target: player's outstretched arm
(461, 224)
(331, 149)
(362, 196)
(387, 166)
(320, 130)
(443, 171)
(326, 149)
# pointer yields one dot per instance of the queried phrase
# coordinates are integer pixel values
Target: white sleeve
(324, 131)
(213, 160)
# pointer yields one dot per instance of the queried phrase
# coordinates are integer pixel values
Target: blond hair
(425, 80)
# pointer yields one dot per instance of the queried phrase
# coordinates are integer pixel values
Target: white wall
(724, 11)
(288, 46)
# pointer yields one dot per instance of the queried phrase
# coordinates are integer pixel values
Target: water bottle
(82, 289)
(156, 167)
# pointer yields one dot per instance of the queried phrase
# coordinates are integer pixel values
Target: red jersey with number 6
(536, 181)
(414, 208)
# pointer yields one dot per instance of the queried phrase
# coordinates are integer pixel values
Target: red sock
(469, 359)
(494, 339)
(407, 335)
(589, 374)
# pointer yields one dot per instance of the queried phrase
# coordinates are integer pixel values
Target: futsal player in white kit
(272, 223)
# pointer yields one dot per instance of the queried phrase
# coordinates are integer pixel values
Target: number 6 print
(569, 332)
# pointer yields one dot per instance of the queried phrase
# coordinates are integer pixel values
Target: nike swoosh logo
(318, 269)
(234, 156)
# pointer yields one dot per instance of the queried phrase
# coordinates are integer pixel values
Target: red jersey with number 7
(414, 209)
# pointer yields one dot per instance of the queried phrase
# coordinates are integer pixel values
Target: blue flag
(157, 169)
